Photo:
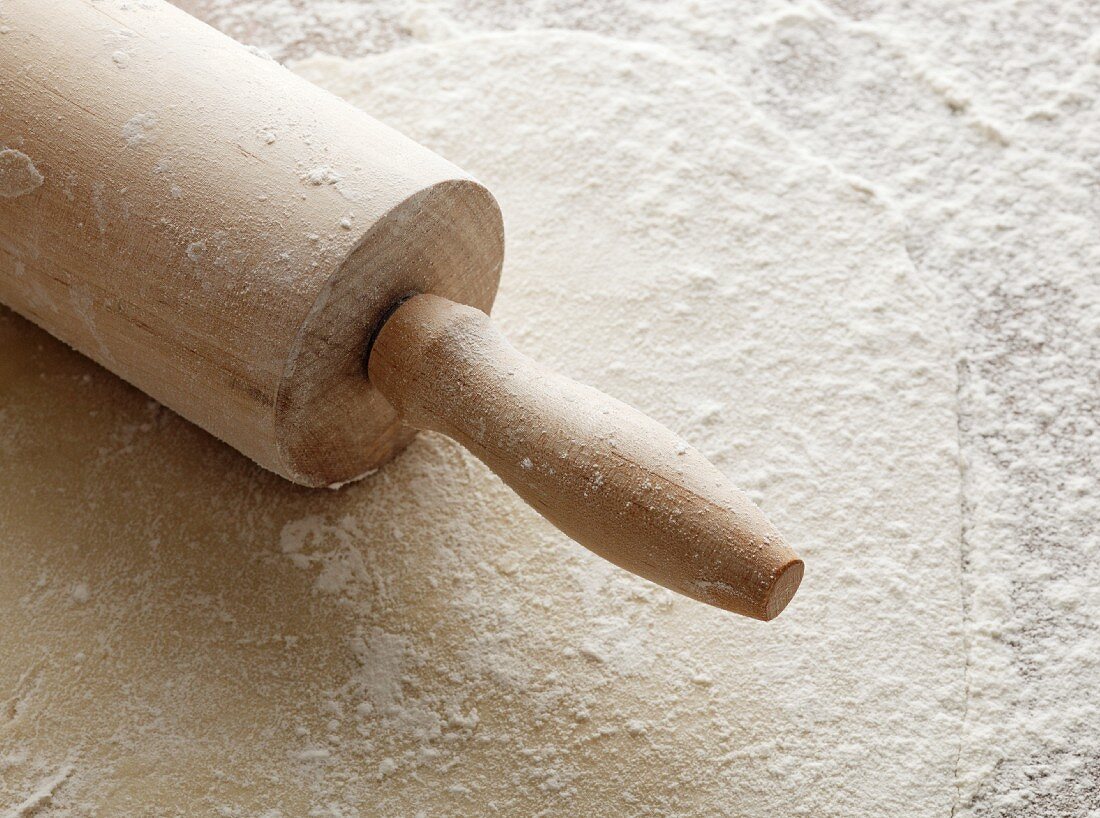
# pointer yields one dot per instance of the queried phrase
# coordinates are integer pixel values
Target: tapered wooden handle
(611, 478)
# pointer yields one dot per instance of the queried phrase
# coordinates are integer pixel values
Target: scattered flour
(321, 175)
(420, 641)
(140, 130)
(41, 796)
(18, 175)
(979, 122)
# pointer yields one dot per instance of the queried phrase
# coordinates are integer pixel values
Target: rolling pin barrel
(232, 240)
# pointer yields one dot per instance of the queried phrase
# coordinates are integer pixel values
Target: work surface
(980, 124)
(953, 149)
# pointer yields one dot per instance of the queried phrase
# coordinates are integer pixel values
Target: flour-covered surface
(979, 122)
(186, 634)
(18, 175)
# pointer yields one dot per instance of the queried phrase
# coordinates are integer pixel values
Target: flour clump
(18, 175)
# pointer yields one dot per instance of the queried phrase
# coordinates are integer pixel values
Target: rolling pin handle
(611, 478)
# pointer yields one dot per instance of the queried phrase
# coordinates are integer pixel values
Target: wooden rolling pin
(311, 286)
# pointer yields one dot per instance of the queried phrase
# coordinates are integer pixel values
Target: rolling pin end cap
(783, 587)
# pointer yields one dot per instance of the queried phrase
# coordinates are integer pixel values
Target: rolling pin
(312, 287)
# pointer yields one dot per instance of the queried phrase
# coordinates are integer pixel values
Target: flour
(33, 803)
(321, 175)
(18, 175)
(140, 130)
(420, 641)
(979, 122)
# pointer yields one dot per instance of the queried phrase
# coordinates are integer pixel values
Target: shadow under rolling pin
(233, 240)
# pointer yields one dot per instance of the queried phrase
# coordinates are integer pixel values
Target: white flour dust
(320, 175)
(141, 129)
(197, 633)
(18, 175)
(979, 123)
